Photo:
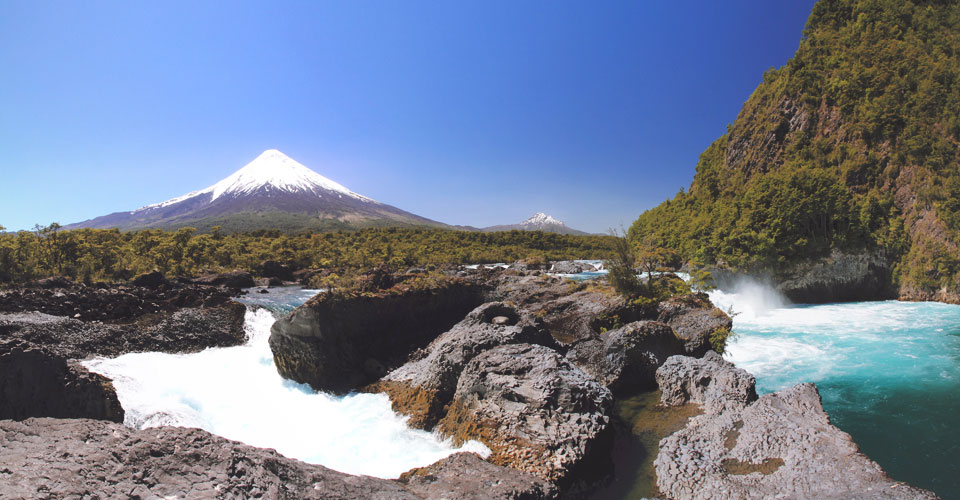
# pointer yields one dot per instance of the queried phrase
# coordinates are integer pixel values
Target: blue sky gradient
(475, 113)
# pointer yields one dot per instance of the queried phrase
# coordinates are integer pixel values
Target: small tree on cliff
(622, 275)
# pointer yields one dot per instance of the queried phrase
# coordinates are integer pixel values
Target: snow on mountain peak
(271, 169)
(539, 219)
(275, 169)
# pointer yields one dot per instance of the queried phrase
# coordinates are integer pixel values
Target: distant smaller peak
(542, 218)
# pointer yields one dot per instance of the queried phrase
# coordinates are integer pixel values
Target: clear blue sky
(475, 113)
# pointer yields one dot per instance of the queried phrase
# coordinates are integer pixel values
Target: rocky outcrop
(571, 267)
(35, 382)
(841, 277)
(781, 446)
(423, 386)
(535, 411)
(340, 343)
(626, 359)
(467, 476)
(112, 303)
(573, 312)
(80, 458)
(696, 321)
(711, 381)
(184, 330)
(233, 279)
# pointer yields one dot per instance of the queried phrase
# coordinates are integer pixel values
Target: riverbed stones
(711, 381)
(423, 386)
(571, 267)
(695, 320)
(342, 342)
(536, 411)
(781, 446)
(626, 359)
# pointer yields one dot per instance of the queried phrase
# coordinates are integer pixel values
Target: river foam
(235, 392)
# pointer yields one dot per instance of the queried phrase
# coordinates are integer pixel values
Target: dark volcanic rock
(79, 458)
(337, 343)
(841, 277)
(694, 319)
(536, 412)
(232, 279)
(781, 446)
(466, 475)
(423, 386)
(185, 330)
(626, 359)
(149, 280)
(274, 269)
(710, 381)
(35, 382)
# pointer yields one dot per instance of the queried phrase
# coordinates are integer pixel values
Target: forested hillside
(108, 254)
(851, 147)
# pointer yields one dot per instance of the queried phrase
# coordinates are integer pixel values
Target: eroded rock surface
(781, 446)
(80, 458)
(626, 359)
(694, 319)
(467, 476)
(423, 386)
(35, 382)
(711, 381)
(536, 412)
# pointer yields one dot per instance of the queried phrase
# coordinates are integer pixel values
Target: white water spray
(237, 393)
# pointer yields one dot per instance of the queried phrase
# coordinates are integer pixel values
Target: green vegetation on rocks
(852, 146)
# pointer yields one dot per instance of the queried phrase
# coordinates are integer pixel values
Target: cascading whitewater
(888, 373)
(236, 392)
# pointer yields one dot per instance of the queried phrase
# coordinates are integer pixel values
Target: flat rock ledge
(48, 458)
(780, 446)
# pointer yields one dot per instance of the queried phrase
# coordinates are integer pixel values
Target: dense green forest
(109, 255)
(851, 146)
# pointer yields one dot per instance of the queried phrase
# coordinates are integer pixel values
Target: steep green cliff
(851, 148)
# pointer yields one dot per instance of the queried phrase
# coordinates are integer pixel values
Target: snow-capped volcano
(538, 222)
(273, 191)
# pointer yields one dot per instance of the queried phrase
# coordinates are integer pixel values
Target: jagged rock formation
(695, 321)
(79, 458)
(422, 387)
(781, 445)
(626, 359)
(535, 411)
(340, 344)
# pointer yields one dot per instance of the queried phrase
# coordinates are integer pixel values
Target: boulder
(626, 359)
(341, 342)
(35, 382)
(423, 386)
(711, 381)
(51, 283)
(781, 446)
(571, 267)
(695, 320)
(467, 476)
(536, 412)
(149, 280)
(81, 458)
